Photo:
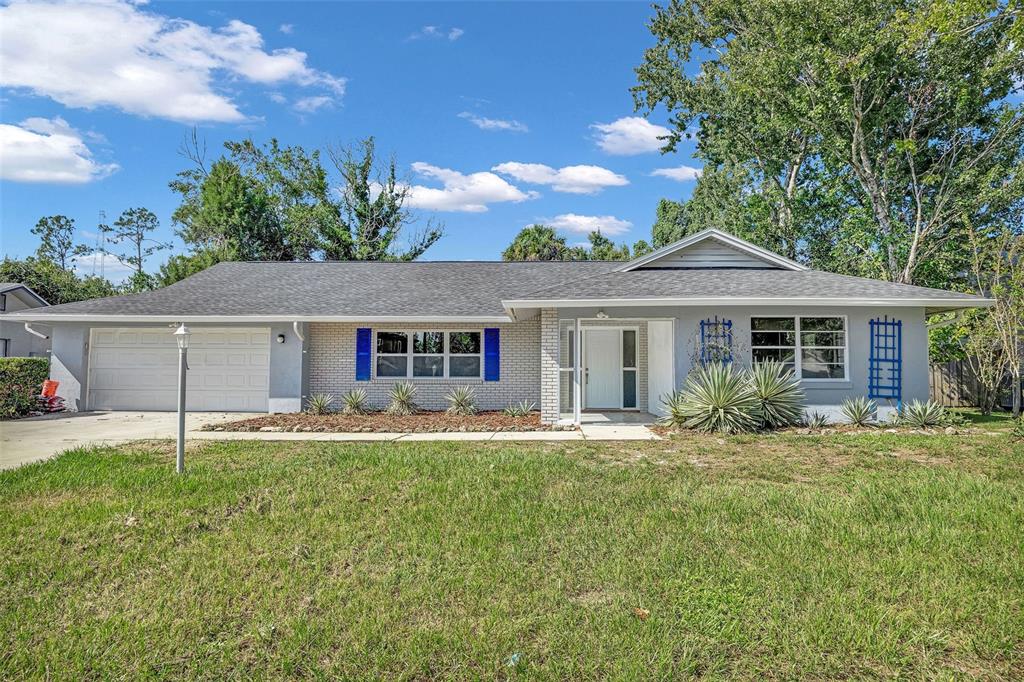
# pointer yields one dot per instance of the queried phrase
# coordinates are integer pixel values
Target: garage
(137, 369)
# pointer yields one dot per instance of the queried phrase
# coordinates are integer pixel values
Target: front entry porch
(617, 417)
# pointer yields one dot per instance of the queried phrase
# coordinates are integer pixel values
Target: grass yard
(843, 556)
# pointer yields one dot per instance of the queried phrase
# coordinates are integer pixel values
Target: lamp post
(181, 335)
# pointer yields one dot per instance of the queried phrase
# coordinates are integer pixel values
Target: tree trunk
(1016, 394)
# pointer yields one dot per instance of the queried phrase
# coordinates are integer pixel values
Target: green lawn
(749, 557)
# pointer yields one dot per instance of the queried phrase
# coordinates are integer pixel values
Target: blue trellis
(715, 341)
(885, 362)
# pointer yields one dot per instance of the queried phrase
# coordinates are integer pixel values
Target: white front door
(602, 368)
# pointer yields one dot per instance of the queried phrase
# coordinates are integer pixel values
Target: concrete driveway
(29, 440)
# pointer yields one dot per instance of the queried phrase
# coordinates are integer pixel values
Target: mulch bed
(381, 422)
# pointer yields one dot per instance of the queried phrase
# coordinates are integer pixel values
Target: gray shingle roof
(460, 289)
(749, 283)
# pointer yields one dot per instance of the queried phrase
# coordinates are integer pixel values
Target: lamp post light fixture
(181, 335)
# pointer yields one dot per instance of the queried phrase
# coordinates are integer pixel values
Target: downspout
(30, 330)
(295, 328)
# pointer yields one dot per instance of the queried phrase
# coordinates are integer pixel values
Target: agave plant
(923, 414)
(354, 401)
(319, 403)
(461, 401)
(520, 409)
(779, 394)
(717, 398)
(816, 420)
(859, 411)
(402, 395)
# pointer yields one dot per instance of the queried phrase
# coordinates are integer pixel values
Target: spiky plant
(319, 403)
(779, 394)
(717, 398)
(859, 411)
(816, 420)
(354, 402)
(520, 409)
(402, 395)
(461, 401)
(922, 414)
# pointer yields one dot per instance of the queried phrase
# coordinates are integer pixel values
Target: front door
(602, 368)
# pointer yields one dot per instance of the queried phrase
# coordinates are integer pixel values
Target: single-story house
(15, 340)
(571, 337)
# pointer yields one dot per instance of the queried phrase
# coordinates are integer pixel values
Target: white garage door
(137, 369)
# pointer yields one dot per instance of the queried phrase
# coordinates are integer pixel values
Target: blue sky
(500, 115)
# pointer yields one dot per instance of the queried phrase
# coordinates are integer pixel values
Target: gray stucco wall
(332, 365)
(822, 396)
(21, 343)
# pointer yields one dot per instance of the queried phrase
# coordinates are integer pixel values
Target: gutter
(53, 318)
(760, 301)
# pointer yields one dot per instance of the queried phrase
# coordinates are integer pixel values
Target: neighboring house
(266, 336)
(15, 340)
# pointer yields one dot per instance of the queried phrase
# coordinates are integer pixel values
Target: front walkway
(28, 440)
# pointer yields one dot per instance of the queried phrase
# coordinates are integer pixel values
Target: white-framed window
(813, 346)
(425, 354)
(629, 368)
(3, 304)
(5, 347)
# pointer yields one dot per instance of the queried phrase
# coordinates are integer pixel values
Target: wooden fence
(953, 384)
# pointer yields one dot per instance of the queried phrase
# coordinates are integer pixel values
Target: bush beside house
(21, 380)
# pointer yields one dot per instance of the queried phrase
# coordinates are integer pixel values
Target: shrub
(354, 402)
(816, 420)
(520, 409)
(319, 403)
(717, 398)
(21, 380)
(460, 401)
(1017, 432)
(859, 411)
(402, 395)
(779, 394)
(923, 414)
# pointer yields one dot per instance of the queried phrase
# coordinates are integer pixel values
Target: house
(570, 337)
(17, 341)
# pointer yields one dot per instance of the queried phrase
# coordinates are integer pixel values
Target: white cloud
(681, 173)
(287, 29)
(277, 98)
(47, 150)
(571, 179)
(630, 135)
(450, 34)
(461, 192)
(484, 123)
(113, 53)
(105, 264)
(585, 224)
(310, 105)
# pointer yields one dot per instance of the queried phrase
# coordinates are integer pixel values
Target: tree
(373, 211)
(602, 248)
(57, 240)
(537, 242)
(134, 228)
(54, 283)
(885, 121)
(179, 267)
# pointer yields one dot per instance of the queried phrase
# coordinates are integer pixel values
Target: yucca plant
(717, 398)
(922, 414)
(402, 395)
(461, 401)
(816, 420)
(354, 402)
(859, 411)
(779, 394)
(319, 403)
(520, 409)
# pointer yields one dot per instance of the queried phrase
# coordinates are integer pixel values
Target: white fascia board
(28, 290)
(766, 301)
(265, 319)
(725, 238)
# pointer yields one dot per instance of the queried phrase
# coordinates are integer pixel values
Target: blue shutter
(492, 355)
(363, 341)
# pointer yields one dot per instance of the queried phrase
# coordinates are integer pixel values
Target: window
(5, 347)
(429, 354)
(3, 307)
(628, 368)
(813, 347)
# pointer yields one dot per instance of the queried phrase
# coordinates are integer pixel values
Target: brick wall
(332, 365)
(549, 365)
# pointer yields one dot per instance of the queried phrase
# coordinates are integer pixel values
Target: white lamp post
(181, 335)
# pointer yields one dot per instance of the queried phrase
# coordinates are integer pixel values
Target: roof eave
(262, 319)
(931, 304)
(724, 237)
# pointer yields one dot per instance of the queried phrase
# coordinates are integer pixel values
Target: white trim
(737, 301)
(635, 369)
(226, 319)
(410, 355)
(723, 237)
(799, 347)
(27, 288)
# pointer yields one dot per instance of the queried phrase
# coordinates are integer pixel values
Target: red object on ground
(48, 400)
(49, 388)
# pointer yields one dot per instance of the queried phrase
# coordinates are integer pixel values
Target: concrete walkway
(28, 440)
